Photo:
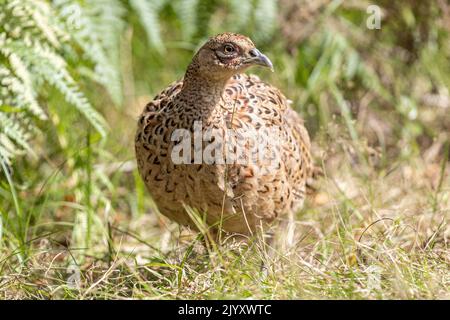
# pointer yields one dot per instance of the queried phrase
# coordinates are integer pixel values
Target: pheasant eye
(228, 49)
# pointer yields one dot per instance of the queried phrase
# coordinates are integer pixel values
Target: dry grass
(367, 233)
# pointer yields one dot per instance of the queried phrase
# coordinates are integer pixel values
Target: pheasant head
(225, 55)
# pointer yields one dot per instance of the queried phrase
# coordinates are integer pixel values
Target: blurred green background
(75, 74)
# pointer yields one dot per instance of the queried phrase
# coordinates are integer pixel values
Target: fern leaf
(96, 26)
(14, 128)
(240, 11)
(265, 18)
(187, 13)
(148, 16)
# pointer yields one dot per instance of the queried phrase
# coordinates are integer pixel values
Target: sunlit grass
(357, 238)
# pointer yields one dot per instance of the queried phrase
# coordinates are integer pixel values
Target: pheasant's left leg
(289, 228)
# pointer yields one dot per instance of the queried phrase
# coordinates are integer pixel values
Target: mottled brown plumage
(216, 92)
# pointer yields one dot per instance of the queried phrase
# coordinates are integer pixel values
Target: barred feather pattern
(240, 197)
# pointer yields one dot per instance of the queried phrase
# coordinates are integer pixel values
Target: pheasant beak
(257, 58)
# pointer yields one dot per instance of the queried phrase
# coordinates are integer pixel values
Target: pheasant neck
(203, 90)
(201, 95)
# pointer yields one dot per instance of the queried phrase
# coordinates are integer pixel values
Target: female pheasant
(217, 107)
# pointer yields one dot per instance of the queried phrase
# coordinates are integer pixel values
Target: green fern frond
(96, 26)
(16, 128)
(240, 11)
(187, 13)
(50, 67)
(147, 12)
(6, 154)
(22, 84)
(205, 11)
(265, 18)
(33, 38)
(42, 18)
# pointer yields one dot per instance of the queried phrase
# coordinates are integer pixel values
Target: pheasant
(215, 96)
